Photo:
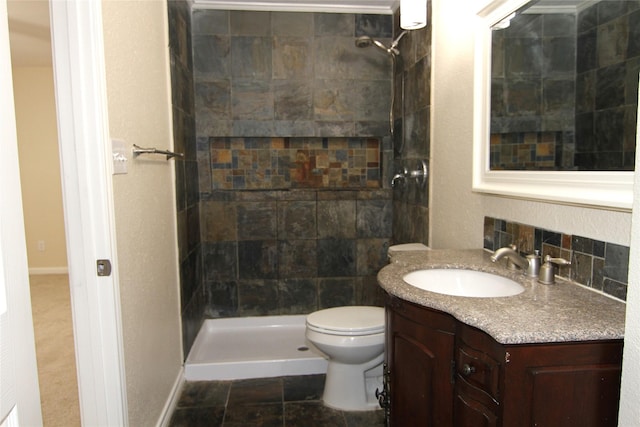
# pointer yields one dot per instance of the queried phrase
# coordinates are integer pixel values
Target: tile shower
(284, 204)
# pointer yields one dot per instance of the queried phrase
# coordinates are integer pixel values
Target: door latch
(103, 267)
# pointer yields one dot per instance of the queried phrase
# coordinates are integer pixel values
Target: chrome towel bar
(140, 150)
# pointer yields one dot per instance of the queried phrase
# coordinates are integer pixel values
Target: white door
(19, 392)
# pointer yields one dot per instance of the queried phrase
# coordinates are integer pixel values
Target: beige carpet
(55, 352)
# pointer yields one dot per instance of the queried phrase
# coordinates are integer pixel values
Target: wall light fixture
(413, 14)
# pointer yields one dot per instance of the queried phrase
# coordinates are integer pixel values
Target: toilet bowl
(352, 338)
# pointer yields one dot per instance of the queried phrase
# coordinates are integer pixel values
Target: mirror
(564, 80)
(552, 123)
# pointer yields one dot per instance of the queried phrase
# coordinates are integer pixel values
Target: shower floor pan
(252, 347)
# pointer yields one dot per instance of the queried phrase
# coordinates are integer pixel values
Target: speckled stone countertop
(542, 313)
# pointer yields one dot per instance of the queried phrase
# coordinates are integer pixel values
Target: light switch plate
(118, 149)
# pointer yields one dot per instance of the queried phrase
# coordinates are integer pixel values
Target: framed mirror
(534, 135)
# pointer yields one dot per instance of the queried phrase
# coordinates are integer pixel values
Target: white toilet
(352, 337)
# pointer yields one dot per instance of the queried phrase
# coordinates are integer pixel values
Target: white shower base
(252, 347)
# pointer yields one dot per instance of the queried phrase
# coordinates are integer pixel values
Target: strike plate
(104, 267)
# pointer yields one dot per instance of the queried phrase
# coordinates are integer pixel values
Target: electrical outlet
(41, 246)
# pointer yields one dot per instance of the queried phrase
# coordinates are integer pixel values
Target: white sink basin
(463, 283)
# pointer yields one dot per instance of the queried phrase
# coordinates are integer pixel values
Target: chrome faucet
(530, 264)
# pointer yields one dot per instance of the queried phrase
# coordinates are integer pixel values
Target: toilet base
(352, 387)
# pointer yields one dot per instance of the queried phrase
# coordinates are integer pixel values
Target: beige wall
(40, 168)
(138, 81)
(457, 212)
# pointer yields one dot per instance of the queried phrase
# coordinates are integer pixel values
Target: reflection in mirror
(564, 87)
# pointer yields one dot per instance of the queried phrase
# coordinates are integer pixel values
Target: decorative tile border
(529, 150)
(599, 265)
(288, 163)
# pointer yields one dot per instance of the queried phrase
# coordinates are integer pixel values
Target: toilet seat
(347, 321)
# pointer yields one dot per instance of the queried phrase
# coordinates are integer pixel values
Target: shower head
(366, 41)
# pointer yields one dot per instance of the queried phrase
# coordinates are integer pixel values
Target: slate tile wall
(192, 304)
(411, 144)
(285, 74)
(600, 265)
(292, 125)
(293, 252)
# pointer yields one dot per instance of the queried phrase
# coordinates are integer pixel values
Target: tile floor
(266, 402)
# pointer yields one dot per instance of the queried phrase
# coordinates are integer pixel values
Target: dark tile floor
(266, 402)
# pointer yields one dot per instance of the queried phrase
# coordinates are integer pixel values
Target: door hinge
(103, 267)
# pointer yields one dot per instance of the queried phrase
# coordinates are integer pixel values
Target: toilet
(352, 338)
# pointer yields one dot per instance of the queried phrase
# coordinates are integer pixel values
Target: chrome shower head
(366, 41)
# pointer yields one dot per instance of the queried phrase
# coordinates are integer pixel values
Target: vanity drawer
(479, 370)
(477, 361)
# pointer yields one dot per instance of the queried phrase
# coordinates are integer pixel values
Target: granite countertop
(561, 312)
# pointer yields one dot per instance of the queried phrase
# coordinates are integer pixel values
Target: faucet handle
(548, 270)
(557, 261)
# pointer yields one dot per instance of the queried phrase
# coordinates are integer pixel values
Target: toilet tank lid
(408, 247)
(348, 319)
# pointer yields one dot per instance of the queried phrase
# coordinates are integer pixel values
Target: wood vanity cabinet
(442, 373)
(419, 347)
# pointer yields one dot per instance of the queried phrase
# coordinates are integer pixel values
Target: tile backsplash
(600, 265)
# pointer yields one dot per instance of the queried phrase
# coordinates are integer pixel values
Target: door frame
(81, 101)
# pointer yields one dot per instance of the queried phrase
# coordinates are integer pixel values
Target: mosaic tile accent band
(531, 151)
(599, 265)
(289, 163)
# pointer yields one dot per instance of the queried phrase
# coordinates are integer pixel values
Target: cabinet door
(563, 385)
(419, 355)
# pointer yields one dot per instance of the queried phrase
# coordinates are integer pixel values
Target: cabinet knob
(468, 369)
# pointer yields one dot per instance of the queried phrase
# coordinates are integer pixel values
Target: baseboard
(172, 400)
(48, 270)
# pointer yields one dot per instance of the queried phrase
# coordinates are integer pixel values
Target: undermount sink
(463, 283)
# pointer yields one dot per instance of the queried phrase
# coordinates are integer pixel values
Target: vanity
(548, 356)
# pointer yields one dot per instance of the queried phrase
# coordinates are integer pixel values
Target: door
(19, 393)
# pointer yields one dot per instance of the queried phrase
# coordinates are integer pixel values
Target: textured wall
(144, 204)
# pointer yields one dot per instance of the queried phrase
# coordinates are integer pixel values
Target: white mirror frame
(610, 190)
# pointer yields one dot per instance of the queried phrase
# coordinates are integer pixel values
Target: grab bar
(141, 150)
